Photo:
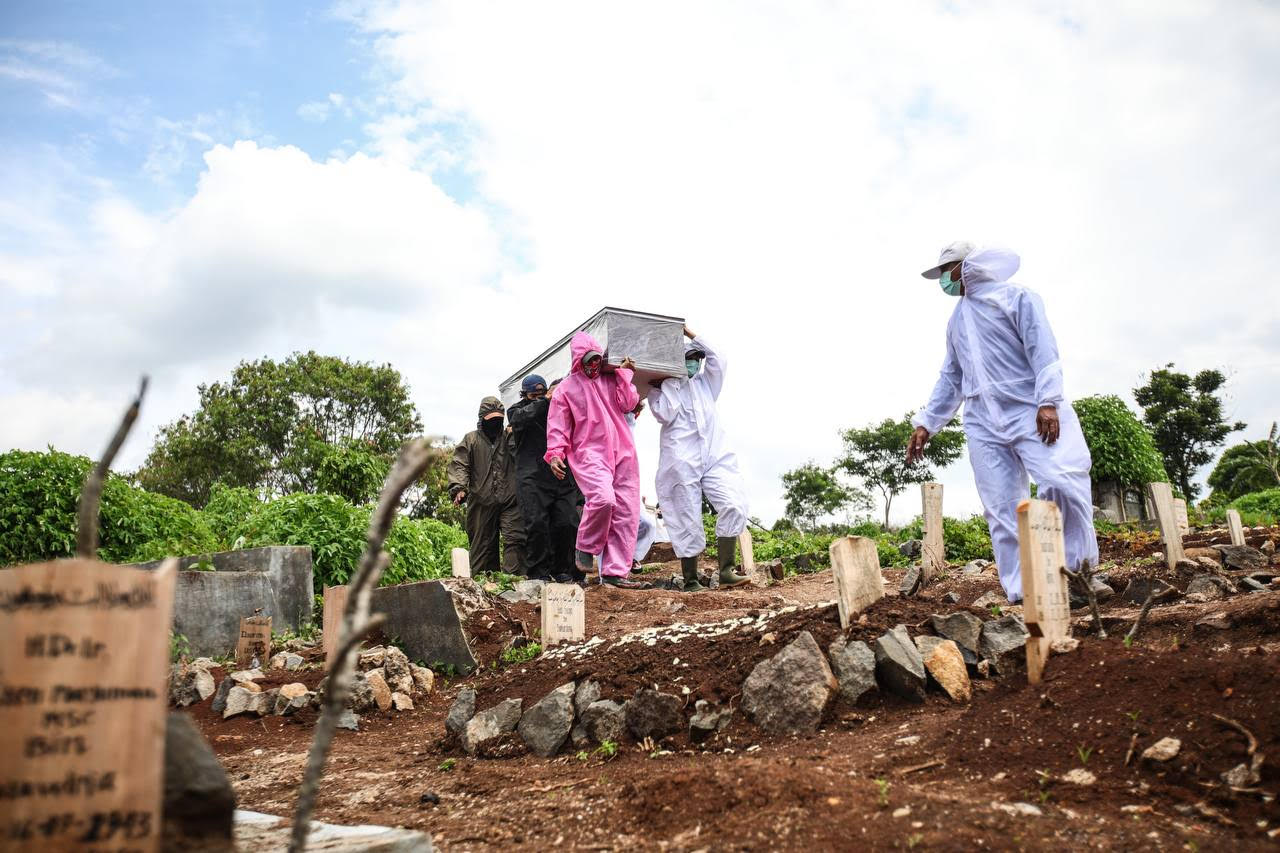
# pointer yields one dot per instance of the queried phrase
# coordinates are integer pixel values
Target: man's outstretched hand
(557, 467)
(1047, 424)
(915, 444)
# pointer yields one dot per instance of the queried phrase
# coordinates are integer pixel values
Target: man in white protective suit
(1002, 363)
(693, 460)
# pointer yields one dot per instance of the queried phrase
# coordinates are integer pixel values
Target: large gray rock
(462, 710)
(854, 665)
(361, 699)
(490, 724)
(962, 627)
(424, 616)
(241, 700)
(1139, 588)
(1004, 643)
(587, 692)
(1242, 557)
(708, 719)
(788, 693)
(220, 695)
(198, 798)
(911, 548)
(899, 667)
(395, 669)
(1208, 587)
(189, 684)
(910, 583)
(653, 714)
(602, 720)
(544, 727)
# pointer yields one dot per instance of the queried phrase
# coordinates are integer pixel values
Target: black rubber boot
(689, 568)
(726, 549)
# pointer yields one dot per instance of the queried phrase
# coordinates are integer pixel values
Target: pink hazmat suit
(588, 426)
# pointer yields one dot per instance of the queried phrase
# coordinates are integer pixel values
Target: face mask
(491, 427)
(691, 366)
(591, 369)
(949, 286)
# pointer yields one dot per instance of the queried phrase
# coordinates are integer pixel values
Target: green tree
(812, 492)
(1184, 414)
(1122, 449)
(310, 423)
(876, 455)
(1251, 466)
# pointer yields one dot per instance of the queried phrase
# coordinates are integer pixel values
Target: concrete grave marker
(564, 613)
(335, 604)
(1162, 500)
(84, 662)
(461, 563)
(1236, 528)
(1180, 516)
(855, 565)
(1046, 605)
(933, 552)
(255, 641)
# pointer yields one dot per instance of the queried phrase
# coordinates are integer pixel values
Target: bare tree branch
(91, 493)
(1084, 580)
(414, 458)
(1142, 614)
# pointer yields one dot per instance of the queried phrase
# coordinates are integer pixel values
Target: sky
(452, 186)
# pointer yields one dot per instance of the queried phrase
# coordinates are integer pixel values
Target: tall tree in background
(1184, 415)
(876, 455)
(310, 423)
(812, 492)
(1248, 467)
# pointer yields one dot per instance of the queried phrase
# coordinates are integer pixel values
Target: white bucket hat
(957, 251)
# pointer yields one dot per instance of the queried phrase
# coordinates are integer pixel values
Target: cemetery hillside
(870, 687)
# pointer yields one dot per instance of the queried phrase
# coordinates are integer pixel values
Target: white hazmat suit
(693, 459)
(1002, 363)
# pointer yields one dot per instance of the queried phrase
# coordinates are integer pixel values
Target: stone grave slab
(425, 619)
(564, 613)
(84, 661)
(1046, 604)
(933, 551)
(1166, 517)
(335, 604)
(855, 565)
(1235, 527)
(255, 641)
(461, 562)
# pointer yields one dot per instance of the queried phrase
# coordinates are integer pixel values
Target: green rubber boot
(689, 568)
(726, 548)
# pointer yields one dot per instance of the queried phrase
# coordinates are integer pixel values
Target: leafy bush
(228, 511)
(1122, 448)
(1259, 507)
(334, 529)
(421, 549)
(964, 539)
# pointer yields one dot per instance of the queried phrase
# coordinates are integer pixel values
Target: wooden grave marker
(255, 641)
(1236, 528)
(461, 563)
(855, 565)
(1045, 602)
(1181, 517)
(84, 660)
(564, 613)
(1162, 500)
(749, 558)
(335, 605)
(933, 551)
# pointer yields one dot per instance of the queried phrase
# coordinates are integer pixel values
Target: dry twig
(413, 460)
(1084, 580)
(91, 494)
(1142, 614)
(1133, 745)
(1248, 735)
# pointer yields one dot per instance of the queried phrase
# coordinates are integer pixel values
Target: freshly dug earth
(885, 774)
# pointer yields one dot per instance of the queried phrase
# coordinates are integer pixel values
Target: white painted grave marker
(1162, 500)
(1236, 528)
(461, 563)
(1180, 516)
(933, 553)
(335, 604)
(855, 565)
(83, 669)
(564, 613)
(1045, 602)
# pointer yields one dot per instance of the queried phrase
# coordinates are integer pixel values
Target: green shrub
(964, 539)
(1121, 447)
(421, 549)
(1258, 507)
(334, 529)
(227, 513)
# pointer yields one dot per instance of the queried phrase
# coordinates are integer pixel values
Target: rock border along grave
(564, 614)
(933, 549)
(1235, 527)
(1162, 500)
(82, 721)
(855, 566)
(1046, 605)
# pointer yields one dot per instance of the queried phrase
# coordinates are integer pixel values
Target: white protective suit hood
(988, 265)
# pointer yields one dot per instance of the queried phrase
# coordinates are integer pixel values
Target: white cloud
(776, 173)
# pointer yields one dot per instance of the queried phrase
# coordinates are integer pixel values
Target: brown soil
(860, 782)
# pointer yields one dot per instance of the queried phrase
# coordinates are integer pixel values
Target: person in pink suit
(587, 425)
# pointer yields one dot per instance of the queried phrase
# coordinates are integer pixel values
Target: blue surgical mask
(691, 366)
(949, 286)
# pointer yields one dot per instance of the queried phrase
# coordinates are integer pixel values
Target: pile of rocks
(385, 680)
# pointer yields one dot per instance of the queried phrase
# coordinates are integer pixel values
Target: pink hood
(582, 344)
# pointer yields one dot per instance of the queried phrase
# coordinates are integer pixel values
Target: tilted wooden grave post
(1045, 602)
(1162, 500)
(855, 565)
(933, 552)
(1180, 516)
(335, 604)
(749, 558)
(563, 613)
(1235, 527)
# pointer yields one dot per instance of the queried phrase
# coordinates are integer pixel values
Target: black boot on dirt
(622, 582)
(585, 561)
(726, 547)
(689, 568)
